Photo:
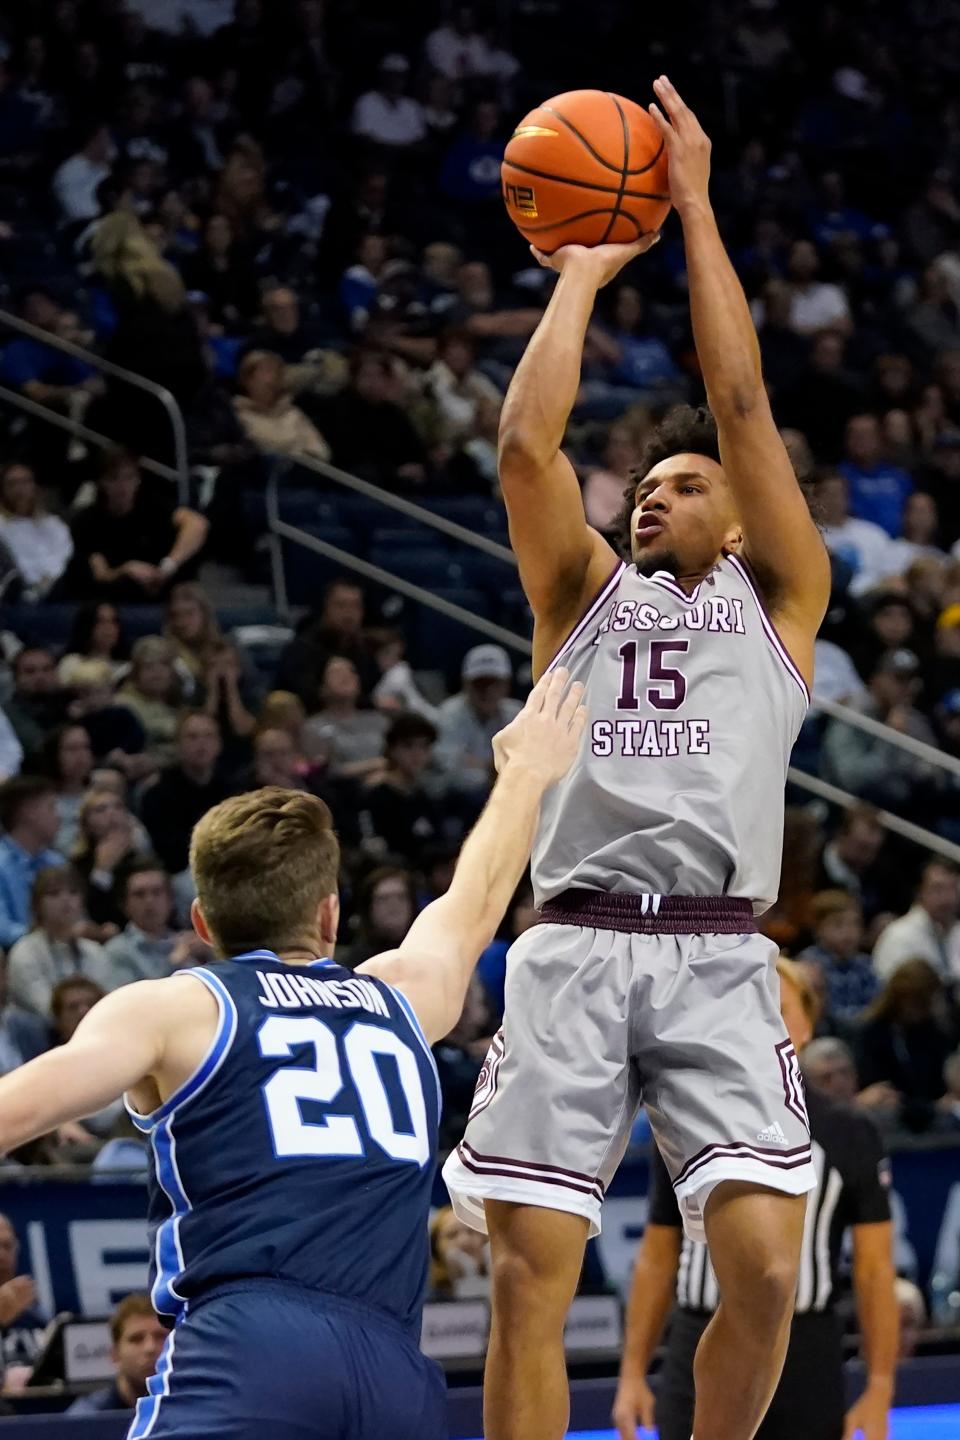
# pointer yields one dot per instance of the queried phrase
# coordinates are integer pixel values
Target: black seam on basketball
(583, 215)
(585, 184)
(607, 164)
(616, 212)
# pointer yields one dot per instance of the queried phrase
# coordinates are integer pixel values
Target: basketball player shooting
(292, 1109)
(647, 980)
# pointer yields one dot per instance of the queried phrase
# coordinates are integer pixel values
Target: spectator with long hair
(193, 630)
(55, 947)
(153, 692)
(907, 1035)
(97, 633)
(386, 907)
(109, 838)
(66, 756)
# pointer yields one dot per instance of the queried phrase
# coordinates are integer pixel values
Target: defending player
(657, 850)
(809, 1404)
(292, 1109)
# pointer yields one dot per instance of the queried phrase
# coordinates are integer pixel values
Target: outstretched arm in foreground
(563, 562)
(434, 964)
(781, 541)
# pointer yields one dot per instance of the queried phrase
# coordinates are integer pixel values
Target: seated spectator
(73, 998)
(814, 305)
(458, 49)
(148, 948)
(919, 531)
(828, 1065)
(220, 270)
(459, 1056)
(368, 433)
(402, 816)
(336, 629)
(386, 908)
(851, 982)
(492, 965)
(912, 1310)
(349, 738)
(929, 931)
(11, 751)
(396, 690)
(21, 1323)
(906, 1038)
(638, 360)
(386, 115)
(193, 629)
(891, 625)
(76, 181)
(97, 634)
(278, 760)
(468, 722)
(152, 692)
(38, 702)
(933, 319)
(949, 1104)
(58, 945)
(282, 710)
(459, 1257)
(282, 331)
(29, 820)
(270, 419)
(878, 490)
(358, 291)
(870, 766)
(134, 540)
(23, 1036)
(604, 485)
(116, 735)
(67, 760)
(40, 372)
(787, 921)
(470, 171)
(457, 388)
(109, 839)
(185, 791)
(867, 548)
(138, 1339)
(224, 703)
(40, 543)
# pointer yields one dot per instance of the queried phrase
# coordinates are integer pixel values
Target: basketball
(585, 168)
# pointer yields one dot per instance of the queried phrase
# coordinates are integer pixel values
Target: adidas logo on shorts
(773, 1135)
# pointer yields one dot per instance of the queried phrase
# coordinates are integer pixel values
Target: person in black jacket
(185, 792)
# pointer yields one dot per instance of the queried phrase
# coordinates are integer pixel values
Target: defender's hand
(545, 737)
(602, 262)
(688, 148)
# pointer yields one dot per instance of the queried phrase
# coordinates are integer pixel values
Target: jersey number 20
(337, 1136)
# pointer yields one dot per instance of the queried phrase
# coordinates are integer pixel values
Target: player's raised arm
(563, 562)
(113, 1048)
(780, 539)
(434, 964)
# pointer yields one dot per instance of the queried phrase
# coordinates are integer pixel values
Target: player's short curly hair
(685, 429)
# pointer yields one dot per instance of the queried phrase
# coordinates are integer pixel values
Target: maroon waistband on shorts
(651, 914)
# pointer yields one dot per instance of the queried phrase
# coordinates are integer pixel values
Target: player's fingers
(553, 696)
(662, 123)
(540, 257)
(665, 89)
(571, 703)
(535, 699)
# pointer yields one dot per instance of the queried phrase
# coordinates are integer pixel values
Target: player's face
(683, 517)
(138, 1350)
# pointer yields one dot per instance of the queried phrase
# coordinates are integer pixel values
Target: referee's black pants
(809, 1402)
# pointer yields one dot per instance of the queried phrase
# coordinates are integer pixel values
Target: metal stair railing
(79, 430)
(181, 464)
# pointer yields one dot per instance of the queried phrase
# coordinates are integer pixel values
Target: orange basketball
(585, 168)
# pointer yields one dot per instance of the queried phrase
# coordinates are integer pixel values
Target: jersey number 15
(337, 1136)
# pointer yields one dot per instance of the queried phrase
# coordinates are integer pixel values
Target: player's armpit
(118, 1043)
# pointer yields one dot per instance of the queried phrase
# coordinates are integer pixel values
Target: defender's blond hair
(788, 970)
(262, 863)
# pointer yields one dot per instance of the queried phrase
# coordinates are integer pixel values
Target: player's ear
(328, 920)
(199, 923)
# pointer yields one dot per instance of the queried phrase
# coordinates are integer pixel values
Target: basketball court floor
(930, 1422)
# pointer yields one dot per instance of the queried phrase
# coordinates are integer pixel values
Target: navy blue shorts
(262, 1358)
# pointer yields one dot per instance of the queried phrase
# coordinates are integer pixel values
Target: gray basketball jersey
(693, 707)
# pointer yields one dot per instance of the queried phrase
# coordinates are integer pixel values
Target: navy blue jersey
(303, 1147)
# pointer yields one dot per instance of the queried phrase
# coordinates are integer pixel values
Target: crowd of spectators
(290, 218)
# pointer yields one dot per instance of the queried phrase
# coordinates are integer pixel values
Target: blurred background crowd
(289, 216)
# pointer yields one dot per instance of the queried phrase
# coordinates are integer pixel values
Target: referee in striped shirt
(852, 1192)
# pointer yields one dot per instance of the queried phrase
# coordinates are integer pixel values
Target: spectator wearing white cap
(387, 116)
(468, 721)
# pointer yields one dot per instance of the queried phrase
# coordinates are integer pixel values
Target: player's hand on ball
(605, 261)
(633, 1405)
(688, 147)
(545, 737)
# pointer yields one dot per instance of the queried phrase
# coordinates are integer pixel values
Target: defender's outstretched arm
(434, 964)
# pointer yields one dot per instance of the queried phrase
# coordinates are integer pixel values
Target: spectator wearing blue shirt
(878, 490)
(471, 169)
(30, 820)
(138, 1337)
(848, 973)
(39, 371)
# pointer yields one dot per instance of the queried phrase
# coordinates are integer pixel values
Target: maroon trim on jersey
(635, 915)
(746, 574)
(590, 611)
(528, 1170)
(739, 1150)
